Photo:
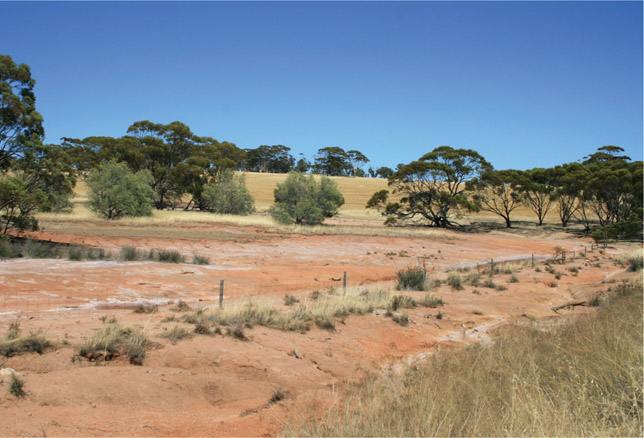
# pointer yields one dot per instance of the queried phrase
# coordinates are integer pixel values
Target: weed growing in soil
(175, 333)
(17, 386)
(289, 300)
(454, 281)
(164, 256)
(115, 340)
(514, 279)
(13, 343)
(146, 309)
(200, 260)
(400, 318)
(181, 306)
(413, 278)
(429, 301)
(402, 302)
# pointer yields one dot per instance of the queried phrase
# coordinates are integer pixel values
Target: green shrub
(200, 260)
(400, 318)
(164, 256)
(401, 302)
(412, 278)
(13, 343)
(289, 300)
(228, 195)
(17, 386)
(301, 200)
(130, 254)
(454, 281)
(115, 192)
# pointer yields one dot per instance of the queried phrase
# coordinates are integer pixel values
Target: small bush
(500, 287)
(146, 309)
(17, 386)
(635, 261)
(324, 322)
(200, 260)
(595, 301)
(278, 395)
(514, 279)
(175, 333)
(289, 300)
(115, 192)
(75, 254)
(13, 343)
(429, 301)
(400, 318)
(181, 306)
(303, 201)
(164, 256)
(202, 329)
(115, 340)
(401, 302)
(454, 281)
(411, 279)
(130, 254)
(489, 283)
(237, 331)
(228, 195)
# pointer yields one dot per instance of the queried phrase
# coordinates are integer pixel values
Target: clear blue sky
(526, 84)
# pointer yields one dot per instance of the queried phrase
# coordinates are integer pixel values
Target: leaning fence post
(221, 294)
(344, 282)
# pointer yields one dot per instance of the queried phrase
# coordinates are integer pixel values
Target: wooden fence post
(491, 267)
(221, 293)
(344, 282)
(533, 260)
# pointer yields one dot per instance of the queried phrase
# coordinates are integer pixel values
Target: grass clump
(430, 301)
(181, 306)
(164, 256)
(413, 278)
(130, 254)
(176, 333)
(582, 379)
(113, 341)
(290, 300)
(634, 260)
(200, 260)
(14, 343)
(514, 279)
(454, 281)
(402, 302)
(401, 319)
(146, 309)
(17, 386)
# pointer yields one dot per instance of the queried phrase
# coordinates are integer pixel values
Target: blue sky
(526, 84)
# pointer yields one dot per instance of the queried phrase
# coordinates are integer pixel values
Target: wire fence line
(90, 301)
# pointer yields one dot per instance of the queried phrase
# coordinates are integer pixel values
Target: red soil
(216, 385)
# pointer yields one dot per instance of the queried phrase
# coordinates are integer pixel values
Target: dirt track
(221, 386)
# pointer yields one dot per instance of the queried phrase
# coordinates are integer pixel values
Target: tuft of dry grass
(114, 340)
(583, 379)
(13, 342)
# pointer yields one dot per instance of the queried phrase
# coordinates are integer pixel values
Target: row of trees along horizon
(602, 191)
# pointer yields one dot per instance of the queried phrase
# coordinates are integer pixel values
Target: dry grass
(585, 379)
(300, 317)
(13, 342)
(115, 340)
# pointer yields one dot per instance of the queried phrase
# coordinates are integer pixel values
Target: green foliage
(496, 192)
(17, 386)
(165, 256)
(332, 161)
(14, 343)
(33, 176)
(402, 302)
(228, 195)
(411, 279)
(272, 159)
(130, 254)
(454, 281)
(434, 187)
(200, 260)
(301, 200)
(116, 192)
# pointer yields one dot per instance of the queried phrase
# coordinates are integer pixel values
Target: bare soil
(221, 386)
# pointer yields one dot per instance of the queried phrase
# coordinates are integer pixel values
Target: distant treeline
(603, 190)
